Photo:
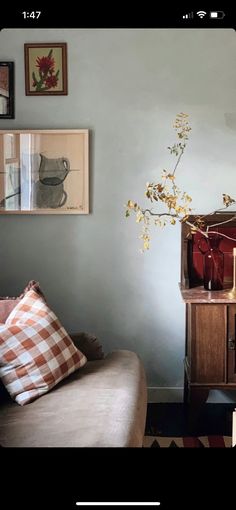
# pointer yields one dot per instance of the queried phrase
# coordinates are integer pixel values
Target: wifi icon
(201, 14)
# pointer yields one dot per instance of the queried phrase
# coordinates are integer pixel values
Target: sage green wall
(126, 86)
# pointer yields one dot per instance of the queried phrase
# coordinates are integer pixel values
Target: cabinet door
(208, 352)
(231, 344)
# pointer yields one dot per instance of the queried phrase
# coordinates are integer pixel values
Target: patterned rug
(188, 442)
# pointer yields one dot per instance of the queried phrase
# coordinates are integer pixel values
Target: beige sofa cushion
(102, 404)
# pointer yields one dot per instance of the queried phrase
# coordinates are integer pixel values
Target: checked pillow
(36, 352)
(8, 303)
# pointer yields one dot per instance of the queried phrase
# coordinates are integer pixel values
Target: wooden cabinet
(210, 355)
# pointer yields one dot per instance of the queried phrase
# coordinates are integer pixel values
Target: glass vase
(213, 262)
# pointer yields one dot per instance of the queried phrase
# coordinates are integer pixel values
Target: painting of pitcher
(44, 171)
(49, 189)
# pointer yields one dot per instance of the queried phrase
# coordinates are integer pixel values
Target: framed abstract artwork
(46, 69)
(7, 90)
(44, 171)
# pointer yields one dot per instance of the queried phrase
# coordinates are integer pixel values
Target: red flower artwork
(47, 77)
(45, 64)
(51, 81)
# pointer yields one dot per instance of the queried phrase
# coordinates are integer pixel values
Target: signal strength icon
(188, 16)
(201, 14)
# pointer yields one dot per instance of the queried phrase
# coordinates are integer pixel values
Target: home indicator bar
(117, 503)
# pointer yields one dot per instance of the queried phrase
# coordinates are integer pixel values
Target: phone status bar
(163, 17)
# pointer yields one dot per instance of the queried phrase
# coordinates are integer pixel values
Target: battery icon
(217, 14)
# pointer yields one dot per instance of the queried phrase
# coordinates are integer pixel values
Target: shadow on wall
(222, 397)
(230, 120)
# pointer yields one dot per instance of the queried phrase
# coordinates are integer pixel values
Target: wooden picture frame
(44, 171)
(45, 69)
(7, 96)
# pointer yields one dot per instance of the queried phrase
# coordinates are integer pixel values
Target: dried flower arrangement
(176, 201)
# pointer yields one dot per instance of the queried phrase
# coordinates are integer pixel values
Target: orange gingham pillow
(35, 350)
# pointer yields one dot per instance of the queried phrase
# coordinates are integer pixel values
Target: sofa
(103, 404)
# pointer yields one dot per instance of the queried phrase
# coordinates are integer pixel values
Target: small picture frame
(46, 69)
(7, 100)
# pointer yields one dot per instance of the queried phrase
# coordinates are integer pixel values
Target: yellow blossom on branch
(227, 200)
(139, 216)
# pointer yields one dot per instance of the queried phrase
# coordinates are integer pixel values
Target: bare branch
(144, 211)
(221, 222)
(178, 160)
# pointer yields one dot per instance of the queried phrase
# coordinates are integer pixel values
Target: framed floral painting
(46, 69)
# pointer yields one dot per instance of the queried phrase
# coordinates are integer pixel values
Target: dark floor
(172, 420)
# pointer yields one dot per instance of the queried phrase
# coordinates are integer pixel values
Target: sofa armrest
(89, 345)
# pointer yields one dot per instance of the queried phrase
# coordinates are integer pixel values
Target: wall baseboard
(157, 394)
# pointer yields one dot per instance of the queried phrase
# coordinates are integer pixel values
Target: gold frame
(24, 188)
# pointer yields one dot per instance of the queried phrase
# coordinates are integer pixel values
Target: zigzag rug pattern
(187, 442)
